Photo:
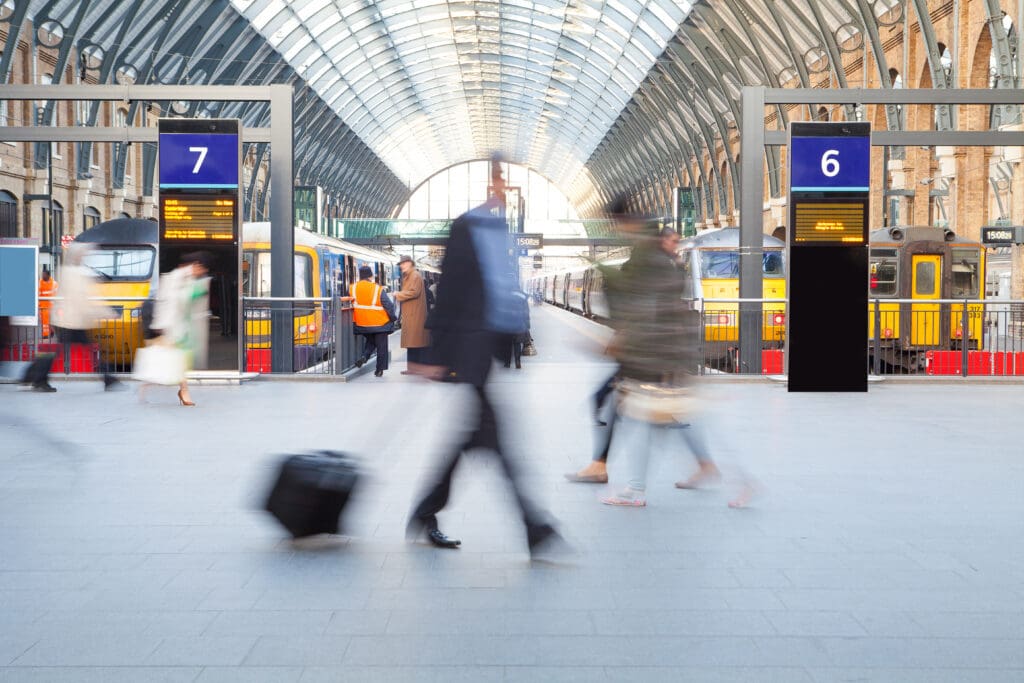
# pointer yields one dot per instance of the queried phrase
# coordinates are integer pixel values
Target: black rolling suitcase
(311, 492)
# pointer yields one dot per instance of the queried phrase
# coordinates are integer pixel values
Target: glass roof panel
(537, 81)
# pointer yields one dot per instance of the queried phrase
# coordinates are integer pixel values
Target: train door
(926, 285)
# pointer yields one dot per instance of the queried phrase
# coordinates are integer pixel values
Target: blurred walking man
(476, 309)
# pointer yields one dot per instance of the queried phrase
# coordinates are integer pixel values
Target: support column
(282, 218)
(751, 226)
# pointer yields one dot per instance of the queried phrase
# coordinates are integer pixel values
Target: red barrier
(771, 362)
(257, 360)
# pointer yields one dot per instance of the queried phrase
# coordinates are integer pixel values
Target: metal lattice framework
(605, 97)
(199, 42)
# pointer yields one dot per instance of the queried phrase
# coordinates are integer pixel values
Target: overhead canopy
(601, 96)
(429, 84)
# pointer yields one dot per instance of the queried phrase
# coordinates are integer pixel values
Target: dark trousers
(600, 397)
(69, 337)
(377, 343)
(484, 435)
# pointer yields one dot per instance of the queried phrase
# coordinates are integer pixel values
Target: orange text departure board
(835, 222)
(198, 218)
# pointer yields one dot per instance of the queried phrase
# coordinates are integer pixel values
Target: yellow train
(125, 257)
(711, 262)
(916, 275)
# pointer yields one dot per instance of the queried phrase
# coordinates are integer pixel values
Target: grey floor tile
(732, 674)
(402, 674)
(202, 651)
(815, 624)
(268, 623)
(298, 651)
(90, 649)
(250, 674)
(921, 675)
(99, 674)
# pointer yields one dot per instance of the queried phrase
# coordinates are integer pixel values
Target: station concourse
(883, 545)
(803, 220)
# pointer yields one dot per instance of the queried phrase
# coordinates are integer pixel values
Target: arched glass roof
(427, 84)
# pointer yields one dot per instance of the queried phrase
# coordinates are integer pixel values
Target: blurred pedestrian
(79, 312)
(47, 290)
(181, 322)
(413, 298)
(475, 309)
(373, 317)
(513, 348)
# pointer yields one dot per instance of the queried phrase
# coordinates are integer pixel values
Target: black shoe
(519, 366)
(442, 541)
(378, 373)
(546, 545)
(45, 388)
(359, 362)
(114, 385)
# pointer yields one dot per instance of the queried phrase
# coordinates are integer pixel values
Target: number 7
(201, 151)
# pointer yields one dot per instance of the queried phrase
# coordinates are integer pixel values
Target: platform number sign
(198, 161)
(830, 164)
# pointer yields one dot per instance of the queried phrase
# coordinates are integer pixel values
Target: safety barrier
(324, 343)
(111, 346)
(931, 338)
(323, 334)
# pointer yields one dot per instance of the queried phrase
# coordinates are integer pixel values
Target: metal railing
(324, 342)
(112, 342)
(938, 337)
(322, 327)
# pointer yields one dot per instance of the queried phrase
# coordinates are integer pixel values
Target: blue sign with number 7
(199, 160)
(830, 164)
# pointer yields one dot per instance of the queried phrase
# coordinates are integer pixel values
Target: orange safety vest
(47, 289)
(368, 311)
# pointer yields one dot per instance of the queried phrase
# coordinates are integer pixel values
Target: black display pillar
(828, 256)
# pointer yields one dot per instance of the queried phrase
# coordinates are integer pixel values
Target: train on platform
(710, 261)
(125, 258)
(920, 280)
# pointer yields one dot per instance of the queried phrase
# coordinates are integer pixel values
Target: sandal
(628, 498)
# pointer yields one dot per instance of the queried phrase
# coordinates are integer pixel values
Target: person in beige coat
(413, 297)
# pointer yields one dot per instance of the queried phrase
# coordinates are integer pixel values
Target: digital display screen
(199, 161)
(1008, 235)
(197, 219)
(829, 222)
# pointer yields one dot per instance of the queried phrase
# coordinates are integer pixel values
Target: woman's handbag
(159, 364)
(656, 403)
(529, 349)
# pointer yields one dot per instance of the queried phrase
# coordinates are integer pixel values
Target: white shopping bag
(159, 365)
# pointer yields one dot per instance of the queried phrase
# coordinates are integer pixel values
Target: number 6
(829, 163)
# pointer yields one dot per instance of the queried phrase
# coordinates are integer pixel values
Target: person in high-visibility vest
(373, 316)
(47, 288)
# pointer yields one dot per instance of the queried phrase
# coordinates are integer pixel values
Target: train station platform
(885, 544)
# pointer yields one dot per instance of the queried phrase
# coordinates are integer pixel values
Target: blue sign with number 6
(831, 164)
(198, 160)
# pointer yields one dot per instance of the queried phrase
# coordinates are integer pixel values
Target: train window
(883, 273)
(966, 268)
(257, 281)
(121, 263)
(718, 265)
(771, 264)
(924, 278)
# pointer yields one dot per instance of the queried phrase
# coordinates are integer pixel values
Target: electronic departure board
(197, 218)
(829, 222)
(829, 185)
(200, 163)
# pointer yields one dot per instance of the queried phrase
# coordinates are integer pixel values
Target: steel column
(282, 218)
(751, 226)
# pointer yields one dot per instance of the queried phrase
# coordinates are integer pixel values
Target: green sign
(308, 204)
(686, 211)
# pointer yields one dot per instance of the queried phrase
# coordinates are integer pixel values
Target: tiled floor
(887, 545)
